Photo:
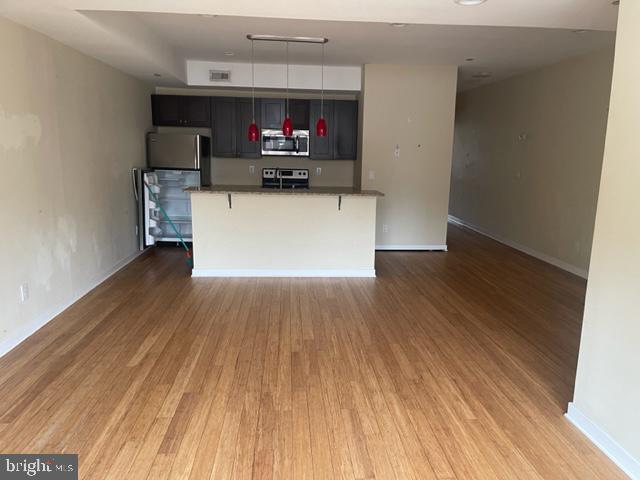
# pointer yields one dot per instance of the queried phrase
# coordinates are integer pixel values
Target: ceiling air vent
(219, 75)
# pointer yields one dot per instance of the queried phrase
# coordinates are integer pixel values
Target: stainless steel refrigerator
(175, 162)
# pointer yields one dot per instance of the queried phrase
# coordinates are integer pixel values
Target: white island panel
(283, 235)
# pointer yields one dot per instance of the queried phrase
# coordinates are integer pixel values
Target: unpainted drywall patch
(18, 131)
(68, 232)
(44, 261)
(55, 248)
(66, 241)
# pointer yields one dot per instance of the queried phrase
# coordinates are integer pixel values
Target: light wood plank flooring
(453, 365)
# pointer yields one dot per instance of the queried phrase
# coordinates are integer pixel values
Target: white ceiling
(503, 51)
(143, 37)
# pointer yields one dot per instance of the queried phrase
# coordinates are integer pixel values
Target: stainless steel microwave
(274, 142)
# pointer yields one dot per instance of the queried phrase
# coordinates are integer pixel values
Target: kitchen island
(250, 231)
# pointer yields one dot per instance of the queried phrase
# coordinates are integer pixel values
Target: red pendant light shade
(321, 127)
(254, 133)
(287, 127)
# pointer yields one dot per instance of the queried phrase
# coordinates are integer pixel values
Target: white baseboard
(215, 272)
(426, 248)
(529, 251)
(604, 442)
(25, 331)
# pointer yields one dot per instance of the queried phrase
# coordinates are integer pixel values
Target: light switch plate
(252, 169)
(318, 171)
(372, 174)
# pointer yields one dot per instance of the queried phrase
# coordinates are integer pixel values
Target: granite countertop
(258, 190)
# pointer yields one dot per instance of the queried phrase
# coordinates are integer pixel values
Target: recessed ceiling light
(470, 59)
(580, 30)
(469, 3)
(615, 2)
(157, 75)
(481, 75)
(228, 54)
(398, 25)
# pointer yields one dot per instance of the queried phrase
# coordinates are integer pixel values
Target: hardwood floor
(453, 365)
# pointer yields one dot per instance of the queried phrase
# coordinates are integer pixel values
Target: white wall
(70, 130)
(528, 155)
(607, 393)
(411, 107)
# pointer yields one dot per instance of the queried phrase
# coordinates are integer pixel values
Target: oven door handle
(297, 143)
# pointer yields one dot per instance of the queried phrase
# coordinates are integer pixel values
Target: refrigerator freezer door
(151, 212)
(175, 151)
(138, 195)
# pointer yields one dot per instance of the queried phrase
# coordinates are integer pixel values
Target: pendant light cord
(253, 88)
(322, 86)
(287, 43)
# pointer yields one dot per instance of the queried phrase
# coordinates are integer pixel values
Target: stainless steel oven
(274, 142)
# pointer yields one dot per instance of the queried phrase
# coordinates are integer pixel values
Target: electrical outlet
(372, 174)
(318, 171)
(252, 169)
(385, 228)
(396, 152)
(24, 292)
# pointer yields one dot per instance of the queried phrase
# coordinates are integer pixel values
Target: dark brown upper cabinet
(345, 129)
(223, 126)
(341, 142)
(299, 113)
(275, 109)
(230, 117)
(321, 148)
(181, 110)
(272, 113)
(244, 117)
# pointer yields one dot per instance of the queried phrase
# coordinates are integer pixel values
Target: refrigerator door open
(137, 181)
(168, 186)
(152, 232)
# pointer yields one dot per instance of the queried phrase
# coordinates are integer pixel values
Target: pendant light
(287, 125)
(253, 133)
(321, 126)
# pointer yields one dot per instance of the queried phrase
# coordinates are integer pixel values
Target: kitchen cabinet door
(345, 129)
(321, 148)
(244, 117)
(299, 112)
(272, 113)
(196, 111)
(181, 111)
(223, 128)
(166, 110)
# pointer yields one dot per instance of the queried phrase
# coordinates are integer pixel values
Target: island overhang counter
(250, 231)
